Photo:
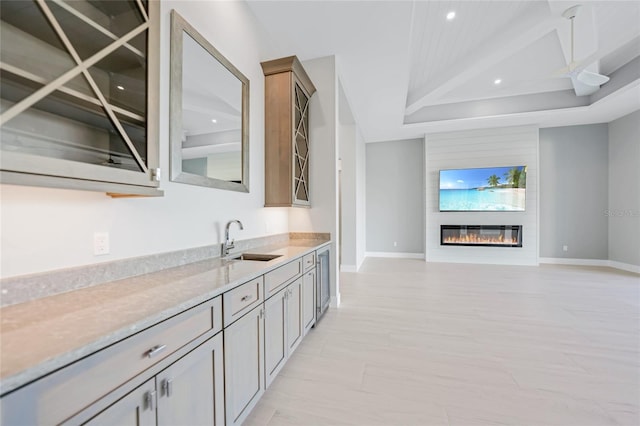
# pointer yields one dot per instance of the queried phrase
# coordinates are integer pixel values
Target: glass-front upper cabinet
(75, 95)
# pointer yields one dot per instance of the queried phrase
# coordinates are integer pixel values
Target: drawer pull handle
(155, 350)
(245, 298)
(150, 398)
(168, 387)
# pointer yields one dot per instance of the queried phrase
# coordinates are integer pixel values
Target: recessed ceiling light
(451, 15)
(213, 120)
(120, 87)
(497, 81)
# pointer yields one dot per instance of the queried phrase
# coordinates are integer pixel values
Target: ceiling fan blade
(582, 89)
(591, 78)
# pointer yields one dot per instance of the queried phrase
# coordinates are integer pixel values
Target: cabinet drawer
(276, 279)
(242, 299)
(62, 394)
(309, 261)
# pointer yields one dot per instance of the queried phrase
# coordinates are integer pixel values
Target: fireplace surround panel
(481, 235)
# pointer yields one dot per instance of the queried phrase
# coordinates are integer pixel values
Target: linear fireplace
(481, 235)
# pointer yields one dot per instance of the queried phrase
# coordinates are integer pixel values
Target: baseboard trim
(395, 255)
(571, 261)
(348, 268)
(591, 262)
(625, 266)
(335, 301)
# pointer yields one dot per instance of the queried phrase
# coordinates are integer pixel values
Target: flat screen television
(483, 189)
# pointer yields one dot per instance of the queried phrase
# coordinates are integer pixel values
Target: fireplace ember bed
(481, 235)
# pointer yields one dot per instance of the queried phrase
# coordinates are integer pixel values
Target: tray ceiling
(407, 70)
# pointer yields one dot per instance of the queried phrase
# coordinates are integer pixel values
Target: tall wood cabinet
(288, 89)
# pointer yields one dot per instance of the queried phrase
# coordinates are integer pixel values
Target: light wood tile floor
(417, 343)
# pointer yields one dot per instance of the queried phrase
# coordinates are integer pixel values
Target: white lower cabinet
(244, 365)
(191, 391)
(135, 409)
(309, 300)
(191, 369)
(295, 328)
(188, 392)
(283, 327)
(275, 334)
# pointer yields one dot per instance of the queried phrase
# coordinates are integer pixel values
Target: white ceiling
(406, 70)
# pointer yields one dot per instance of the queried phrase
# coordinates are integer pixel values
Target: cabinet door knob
(245, 298)
(155, 350)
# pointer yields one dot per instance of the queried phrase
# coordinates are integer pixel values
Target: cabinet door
(84, 109)
(295, 327)
(244, 365)
(275, 334)
(300, 146)
(191, 391)
(137, 408)
(309, 300)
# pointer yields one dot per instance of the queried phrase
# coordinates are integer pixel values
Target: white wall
(352, 198)
(574, 191)
(45, 229)
(348, 219)
(482, 148)
(361, 199)
(395, 198)
(323, 178)
(624, 192)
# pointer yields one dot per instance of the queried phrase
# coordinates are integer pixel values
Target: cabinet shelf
(75, 84)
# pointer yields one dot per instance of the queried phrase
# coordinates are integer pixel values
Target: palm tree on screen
(513, 177)
(493, 180)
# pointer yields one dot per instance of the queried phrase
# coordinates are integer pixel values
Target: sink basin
(256, 256)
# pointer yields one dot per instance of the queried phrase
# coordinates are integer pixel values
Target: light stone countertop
(43, 335)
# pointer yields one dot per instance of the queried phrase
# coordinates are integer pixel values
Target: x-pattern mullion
(84, 70)
(97, 26)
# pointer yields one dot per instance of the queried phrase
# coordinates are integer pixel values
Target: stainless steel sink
(256, 257)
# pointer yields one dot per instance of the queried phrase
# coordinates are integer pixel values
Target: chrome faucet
(228, 245)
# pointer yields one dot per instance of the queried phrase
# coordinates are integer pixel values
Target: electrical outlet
(395, 244)
(565, 248)
(100, 243)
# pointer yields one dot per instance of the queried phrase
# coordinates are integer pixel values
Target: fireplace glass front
(481, 235)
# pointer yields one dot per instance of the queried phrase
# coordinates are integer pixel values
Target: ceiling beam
(507, 45)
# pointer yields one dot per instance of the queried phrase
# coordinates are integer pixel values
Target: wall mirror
(209, 113)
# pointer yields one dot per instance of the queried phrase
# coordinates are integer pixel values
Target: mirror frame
(179, 26)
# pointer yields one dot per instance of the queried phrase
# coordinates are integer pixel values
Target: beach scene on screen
(483, 189)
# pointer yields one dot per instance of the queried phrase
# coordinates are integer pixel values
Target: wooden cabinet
(79, 88)
(284, 328)
(287, 157)
(309, 300)
(188, 392)
(244, 365)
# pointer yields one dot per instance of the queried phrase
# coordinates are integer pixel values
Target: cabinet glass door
(301, 147)
(74, 89)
